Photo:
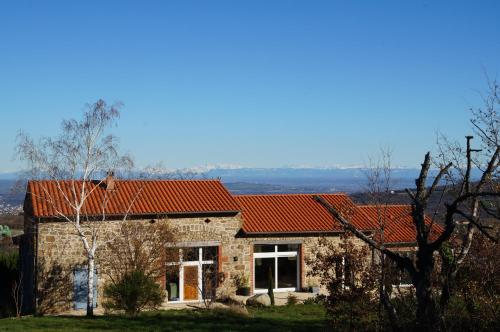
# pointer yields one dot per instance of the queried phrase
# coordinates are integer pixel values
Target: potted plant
(242, 284)
(313, 287)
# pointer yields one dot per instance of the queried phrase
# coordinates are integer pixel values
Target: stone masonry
(59, 250)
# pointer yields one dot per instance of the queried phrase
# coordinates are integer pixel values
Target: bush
(9, 273)
(134, 292)
(318, 299)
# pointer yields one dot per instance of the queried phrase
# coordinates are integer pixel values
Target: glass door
(278, 261)
(191, 283)
(194, 276)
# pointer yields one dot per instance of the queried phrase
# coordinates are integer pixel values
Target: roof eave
(293, 232)
(111, 215)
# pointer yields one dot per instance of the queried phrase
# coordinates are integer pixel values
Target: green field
(308, 317)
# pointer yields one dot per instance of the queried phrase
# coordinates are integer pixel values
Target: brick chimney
(110, 180)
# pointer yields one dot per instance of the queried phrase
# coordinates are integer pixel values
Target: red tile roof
(138, 197)
(302, 214)
(296, 213)
(397, 221)
(262, 214)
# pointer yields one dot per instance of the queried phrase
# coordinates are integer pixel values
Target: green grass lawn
(308, 318)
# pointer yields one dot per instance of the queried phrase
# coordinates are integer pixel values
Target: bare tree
(17, 294)
(469, 201)
(349, 276)
(136, 262)
(486, 125)
(83, 152)
(141, 247)
(211, 281)
(421, 270)
(379, 184)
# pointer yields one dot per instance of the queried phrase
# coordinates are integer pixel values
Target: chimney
(110, 180)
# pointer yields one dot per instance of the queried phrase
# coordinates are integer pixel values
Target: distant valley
(256, 181)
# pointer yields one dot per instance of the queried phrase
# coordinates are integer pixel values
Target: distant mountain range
(241, 180)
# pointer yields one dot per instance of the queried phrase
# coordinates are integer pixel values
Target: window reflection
(190, 254)
(263, 248)
(288, 247)
(262, 267)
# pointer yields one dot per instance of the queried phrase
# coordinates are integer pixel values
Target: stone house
(235, 234)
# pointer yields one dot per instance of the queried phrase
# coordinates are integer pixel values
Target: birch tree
(76, 161)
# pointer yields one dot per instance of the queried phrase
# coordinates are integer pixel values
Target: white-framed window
(344, 272)
(281, 261)
(190, 278)
(401, 278)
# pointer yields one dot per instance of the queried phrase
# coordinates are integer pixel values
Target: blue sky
(251, 83)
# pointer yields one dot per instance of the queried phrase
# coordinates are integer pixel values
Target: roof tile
(397, 222)
(296, 213)
(135, 197)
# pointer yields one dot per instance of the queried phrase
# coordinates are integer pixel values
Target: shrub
(318, 299)
(241, 280)
(8, 275)
(134, 292)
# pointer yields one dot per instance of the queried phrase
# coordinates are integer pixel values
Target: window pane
(209, 253)
(348, 273)
(209, 281)
(263, 248)
(262, 267)
(190, 254)
(191, 284)
(405, 278)
(172, 284)
(288, 247)
(339, 268)
(287, 272)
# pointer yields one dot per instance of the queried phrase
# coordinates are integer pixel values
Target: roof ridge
(171, 180)
(130, 180)
(375, 205)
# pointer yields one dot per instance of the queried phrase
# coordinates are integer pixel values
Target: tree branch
(475, 222)
(401, 261)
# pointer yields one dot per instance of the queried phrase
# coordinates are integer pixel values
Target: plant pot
(244, 291)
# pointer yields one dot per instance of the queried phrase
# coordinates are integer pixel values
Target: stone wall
(60, 251)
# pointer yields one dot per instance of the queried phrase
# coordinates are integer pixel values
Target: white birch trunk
(90, 285)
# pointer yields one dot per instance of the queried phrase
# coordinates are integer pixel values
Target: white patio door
(281, 261)
(190, 281)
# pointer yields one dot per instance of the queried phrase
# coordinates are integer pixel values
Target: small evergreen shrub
(133, 293)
